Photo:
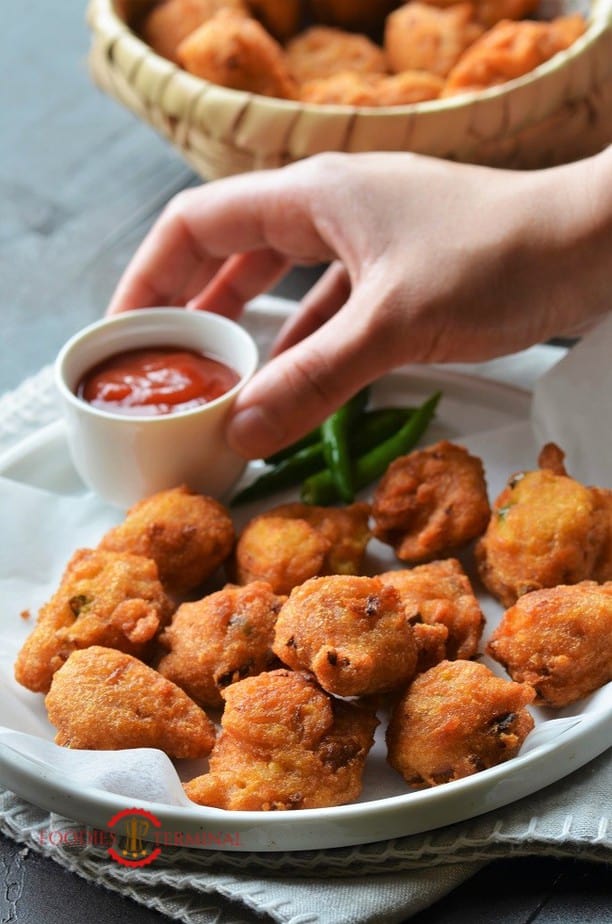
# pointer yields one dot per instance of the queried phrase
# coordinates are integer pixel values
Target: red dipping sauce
(154, 381)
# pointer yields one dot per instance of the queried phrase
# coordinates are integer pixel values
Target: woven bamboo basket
(560, 112)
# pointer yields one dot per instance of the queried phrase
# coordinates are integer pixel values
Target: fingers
(265, 215)
(240, 279)
(168, 268)
(326, 297)
(297, 389)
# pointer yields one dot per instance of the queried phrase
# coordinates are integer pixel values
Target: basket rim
(103, 20)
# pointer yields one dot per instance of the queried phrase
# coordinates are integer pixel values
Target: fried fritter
(345, 528)
(293, 542)
(431, 502)
(545, 529)
(350, 631)
(188, 535)
(602, 570)
(220, 639)
(488, 12)
(281, 551)
(407, 88)
(558, 640)
(104, 598)
(235, 51)
(320, 52)
(280, 17)
(456, 719)
(419, 36)
(285, 744)
(351, 89)
(171, 21)
(435, 596)
(102, 699)
(360, 15)
(511, 49)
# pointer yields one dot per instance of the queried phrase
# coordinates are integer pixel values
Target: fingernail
(252, 432)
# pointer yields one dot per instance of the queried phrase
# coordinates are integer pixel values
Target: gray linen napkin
(384, 882)
(387, 881)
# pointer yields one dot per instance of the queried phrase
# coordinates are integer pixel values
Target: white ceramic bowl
(126, 458)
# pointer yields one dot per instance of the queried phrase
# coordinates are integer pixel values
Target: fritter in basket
(545, 529)
(489, 12)
(511, 49)
(235, 51)
(558, 640)
(419, 36)
(285, 744)
(321, 52)
(456, 719)
(220, 639)
(280, 17)
(351, 89)
(169, 22)
(104, 598)
(188, 536)
(293, 542)
(350, 632)
(431, 502)
(360, 15)
(102, 699)
(441, 607)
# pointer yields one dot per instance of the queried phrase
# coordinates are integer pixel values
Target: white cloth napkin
(382, 882)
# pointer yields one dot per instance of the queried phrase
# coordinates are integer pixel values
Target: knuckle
(310, 374)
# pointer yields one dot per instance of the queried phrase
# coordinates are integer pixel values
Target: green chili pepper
(307, 440)
(320, 488)
(286, 474)
(370, 428)
(335, 438)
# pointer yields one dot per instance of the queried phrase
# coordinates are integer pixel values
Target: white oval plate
(59, 780)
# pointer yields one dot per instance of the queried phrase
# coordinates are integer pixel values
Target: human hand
(430, 261)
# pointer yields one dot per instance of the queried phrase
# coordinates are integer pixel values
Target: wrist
(580, 225)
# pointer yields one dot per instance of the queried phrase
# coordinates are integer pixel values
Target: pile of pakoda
(276, 649)
(365, 53)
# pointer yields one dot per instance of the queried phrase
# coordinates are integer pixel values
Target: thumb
(297, 389)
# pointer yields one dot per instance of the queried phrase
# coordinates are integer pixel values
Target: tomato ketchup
(156, 380)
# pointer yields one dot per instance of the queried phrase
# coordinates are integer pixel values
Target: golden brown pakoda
(359, 15)
(102, 699)
(350, 632)
(235, 51)
(558, 640)
(188, 535)
(280, 17)
(285, 744)
(456, 719)
(419, 36)
(104, 598)
(407, 88)
(488, 12)
(322, 51)
(545, 529)
(351, 89)
(169, 22)
(510, 49)
(344, 89)
(220, 639)
(431, 502)
(290, 543)
(602, 570)
(441, 607)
